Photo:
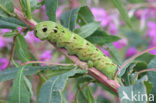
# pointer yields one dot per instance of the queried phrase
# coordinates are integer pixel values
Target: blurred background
(140, 37)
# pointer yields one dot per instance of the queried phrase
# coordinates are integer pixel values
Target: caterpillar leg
(90, 64)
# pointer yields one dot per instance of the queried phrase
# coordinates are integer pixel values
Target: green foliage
(51, 7)
(54, 87)
(6, 8)
(88, 29)
(19, 92)
(21, 48)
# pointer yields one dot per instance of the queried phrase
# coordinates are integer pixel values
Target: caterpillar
(75, 45)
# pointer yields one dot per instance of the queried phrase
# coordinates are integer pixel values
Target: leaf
(51, 7)
(89, 95)
(133, 93)
(13, 21)
(28, 85)
(88, 29)
(51, 91)
(9, 34)
(29, 70)
(101, 37)
(21, 48)
(19, 92)
(85, 16)
(6, 8)
(152, 75)
(26, 8)
(114, 54)
(4, 24)
(10, 22)
(68, 19)
(119, 5)
(142, 58)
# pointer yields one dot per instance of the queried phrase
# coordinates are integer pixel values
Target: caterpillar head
(43, 29)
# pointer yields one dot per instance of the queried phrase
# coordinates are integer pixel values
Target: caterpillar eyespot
(44, 29)
(75, 45)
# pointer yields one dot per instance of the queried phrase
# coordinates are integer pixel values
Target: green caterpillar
(75, 44)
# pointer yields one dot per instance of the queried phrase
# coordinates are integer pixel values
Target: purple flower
(131, 51)
(46, 56)
(3, 63)
(4, 41)
(109, 22)
(106, 52)
(120, 43)
(30, 37)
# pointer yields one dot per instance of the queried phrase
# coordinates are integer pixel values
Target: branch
(92, 71)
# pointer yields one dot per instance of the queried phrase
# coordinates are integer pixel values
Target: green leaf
(6, 8)
(26, 8)
(85, 15)
(119, 5)
(88, 29)
(152, 75)
(68, 19)
(143, 58)
(114, 54)
(51, 7)
(51, 91)
(9, 34)
(101, 37)
(12, 21)
(21, 48)
(4, 24)
(89, 95)
(133, 92)
(29, 70)
(19, 92)
(28, 85)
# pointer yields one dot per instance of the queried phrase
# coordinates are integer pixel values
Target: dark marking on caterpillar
(44, 29)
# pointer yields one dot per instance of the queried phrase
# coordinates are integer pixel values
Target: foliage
(64, 82)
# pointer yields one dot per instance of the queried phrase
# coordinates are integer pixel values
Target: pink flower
(107, 21)
(3, 63)
(106, 52)
(30, 37)
(4, 41)
(120, 43)
(46, 56)
(131, 51)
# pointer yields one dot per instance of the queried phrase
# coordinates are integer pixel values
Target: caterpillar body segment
(77, 45)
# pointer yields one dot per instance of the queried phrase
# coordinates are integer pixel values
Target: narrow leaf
(119, 5)
(19, 92)
(51, 91)
(88, 29)
(68, 19)
(51, 7)
(21, 48)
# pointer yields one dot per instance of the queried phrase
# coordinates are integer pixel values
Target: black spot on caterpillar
(75, 45)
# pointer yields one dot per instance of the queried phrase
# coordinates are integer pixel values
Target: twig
(131, 59)
(44, 62)
(147, 70)
(13, 47)
(92, 71)
(12, 51)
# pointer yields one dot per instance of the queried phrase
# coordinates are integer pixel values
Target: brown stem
(12, 51)
(92, 71)
(147, 70)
